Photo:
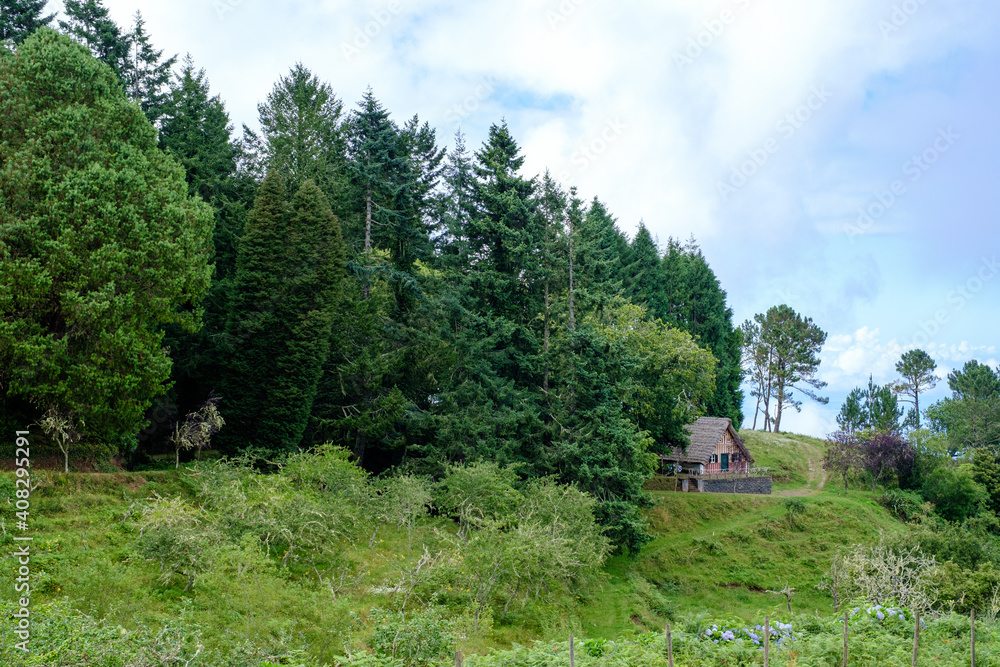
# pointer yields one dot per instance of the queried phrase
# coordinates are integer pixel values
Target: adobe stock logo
(372, 29)
(787, 127)
(914, 168)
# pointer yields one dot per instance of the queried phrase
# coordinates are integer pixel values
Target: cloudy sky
(836, 155)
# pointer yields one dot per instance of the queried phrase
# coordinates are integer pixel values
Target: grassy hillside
(714, 555)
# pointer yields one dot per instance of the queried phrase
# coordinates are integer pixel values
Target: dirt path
(814, 483)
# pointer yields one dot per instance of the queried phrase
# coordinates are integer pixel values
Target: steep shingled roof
(705, 435)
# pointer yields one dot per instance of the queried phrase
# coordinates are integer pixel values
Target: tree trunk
(66, 453)
(545, 378)
(916, 404)
(177, 458)
(572, 317)
(368, 235)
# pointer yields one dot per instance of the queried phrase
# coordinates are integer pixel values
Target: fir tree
(146, 73)
(289, 279)
(20, 18)
(456, 206)
(504, 236)
(91, 25)
(642, 273)
(379, 169)
(195, 130)
(302, 137)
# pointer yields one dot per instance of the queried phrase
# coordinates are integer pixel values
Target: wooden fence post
(572, 663)
(916, 639)
(767, 640)
(973, 626)
(458, 659)
(670, 648)
(845, 639)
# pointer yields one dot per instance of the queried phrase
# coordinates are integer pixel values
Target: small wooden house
(715, 449)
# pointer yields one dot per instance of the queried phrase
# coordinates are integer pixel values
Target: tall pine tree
(288, 283)
(145, 71)
(20, 18)
(302, 136)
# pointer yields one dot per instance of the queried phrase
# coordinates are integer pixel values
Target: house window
(734, 457)
(714, 458)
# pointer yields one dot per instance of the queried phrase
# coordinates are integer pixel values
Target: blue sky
(836, 155)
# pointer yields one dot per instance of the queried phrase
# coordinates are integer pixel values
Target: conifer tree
(390, 187)
(91, 25)
(598, 253)
(146, 73)
(504, 235)
(642, 273)
(302, 136)
(288, 281)
(253, 339)
(455, 206)
(20, 18)
(195, 129)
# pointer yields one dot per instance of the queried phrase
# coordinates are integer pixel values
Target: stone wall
(761, 485)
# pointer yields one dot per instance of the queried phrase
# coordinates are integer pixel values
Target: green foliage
(781, 351)
(954, 492)
(302, 135)
(917, 369)
(904, 505)
(971, 416)
(288, 283)
(91, 25)
(177, 535)
(794, 508)
(874, 408)
(20, 18)
(417, 639)
(101, 245)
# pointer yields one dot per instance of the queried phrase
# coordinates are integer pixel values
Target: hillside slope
(713, 555)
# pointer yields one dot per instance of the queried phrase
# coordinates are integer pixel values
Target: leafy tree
(971, 416)
(20, 18)
(101, 243)
(986, 473)
(886, 456)
(844, 455)
(955, 493)
(671, 379)
(917, 369)
(90, 24)
(197, 429)
(145, 72)
(61, 430)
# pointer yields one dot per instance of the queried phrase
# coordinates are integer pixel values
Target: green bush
(904, 505)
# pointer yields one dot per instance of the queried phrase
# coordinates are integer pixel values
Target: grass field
(714, 555)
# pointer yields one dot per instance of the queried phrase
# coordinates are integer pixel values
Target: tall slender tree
(146, 73)
(917, 370)
(288, 282)
(302, 135)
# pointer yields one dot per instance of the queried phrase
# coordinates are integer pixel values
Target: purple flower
(880, 616)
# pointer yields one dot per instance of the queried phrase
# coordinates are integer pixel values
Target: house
(715, 449)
